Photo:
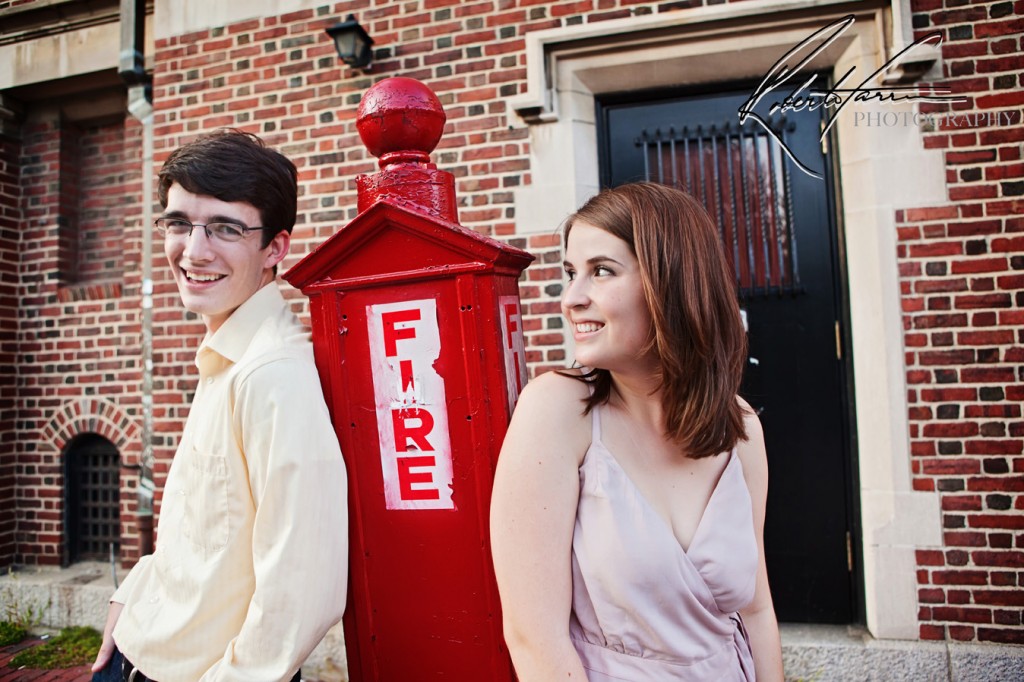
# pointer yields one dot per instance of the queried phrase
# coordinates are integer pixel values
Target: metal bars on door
(740, 175)
(93, 477)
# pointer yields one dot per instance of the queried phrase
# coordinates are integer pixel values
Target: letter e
(406, 478)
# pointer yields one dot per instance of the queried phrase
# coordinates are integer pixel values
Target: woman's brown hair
(697, 333)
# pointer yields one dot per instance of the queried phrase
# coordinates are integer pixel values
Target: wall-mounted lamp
(352, 42)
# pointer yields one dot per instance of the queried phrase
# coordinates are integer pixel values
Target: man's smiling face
(215, 277)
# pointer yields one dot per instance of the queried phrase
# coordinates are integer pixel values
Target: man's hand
(107, 648)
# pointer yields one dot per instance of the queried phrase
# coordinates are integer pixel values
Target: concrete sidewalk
(811, 653)
(836, 653)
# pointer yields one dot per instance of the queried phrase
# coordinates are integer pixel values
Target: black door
(92, 522)
(776, 222)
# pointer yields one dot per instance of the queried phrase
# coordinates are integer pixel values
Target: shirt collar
(229, 342)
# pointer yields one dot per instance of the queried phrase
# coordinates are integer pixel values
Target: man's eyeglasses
(225, 232)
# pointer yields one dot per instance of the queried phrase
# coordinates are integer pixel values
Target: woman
(628, 507)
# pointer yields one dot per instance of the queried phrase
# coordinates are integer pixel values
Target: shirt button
(209, 380)
(154, 599)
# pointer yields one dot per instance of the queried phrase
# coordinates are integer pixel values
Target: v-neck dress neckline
(599, 448)
(644, 608)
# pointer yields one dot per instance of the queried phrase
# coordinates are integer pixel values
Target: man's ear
(277, 249)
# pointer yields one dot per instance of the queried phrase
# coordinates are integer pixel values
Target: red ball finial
(400, 120)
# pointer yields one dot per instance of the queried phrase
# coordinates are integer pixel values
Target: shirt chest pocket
(207, 523)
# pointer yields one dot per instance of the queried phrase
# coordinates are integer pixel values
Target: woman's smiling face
(604, 300)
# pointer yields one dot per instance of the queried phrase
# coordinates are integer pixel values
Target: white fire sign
(412, 414)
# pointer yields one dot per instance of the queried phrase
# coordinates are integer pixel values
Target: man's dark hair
(232, 165)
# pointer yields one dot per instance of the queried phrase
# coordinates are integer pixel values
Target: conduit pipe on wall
(132, 70)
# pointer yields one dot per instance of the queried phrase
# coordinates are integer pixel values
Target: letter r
(404, 432)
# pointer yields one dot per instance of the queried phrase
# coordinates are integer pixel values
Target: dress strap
(595, 412)
(595, 424)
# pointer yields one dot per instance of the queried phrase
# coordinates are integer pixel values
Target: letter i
(407, 380)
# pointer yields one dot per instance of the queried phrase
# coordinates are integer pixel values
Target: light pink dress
(642, 608)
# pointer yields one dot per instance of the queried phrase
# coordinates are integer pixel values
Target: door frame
(877, 169)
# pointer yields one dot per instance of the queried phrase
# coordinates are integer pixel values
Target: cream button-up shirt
(251, 564)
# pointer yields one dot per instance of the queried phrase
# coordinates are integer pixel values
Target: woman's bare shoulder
(553, 404)
(751, 450)
(561, 391)
(751, 423)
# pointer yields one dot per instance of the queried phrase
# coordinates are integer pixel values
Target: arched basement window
(91, 488)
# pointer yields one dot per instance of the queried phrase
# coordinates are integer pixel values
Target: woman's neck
(639, 396)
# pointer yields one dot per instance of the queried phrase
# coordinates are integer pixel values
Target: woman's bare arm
(533, 513)
(759, 616)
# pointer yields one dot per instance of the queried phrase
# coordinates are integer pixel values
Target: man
(250, 568)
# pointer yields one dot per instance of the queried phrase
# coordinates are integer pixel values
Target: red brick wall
(77, 331)
(104, 205)
(40, 184)
(962, 275)
(10, 194)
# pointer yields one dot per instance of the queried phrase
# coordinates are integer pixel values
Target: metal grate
(93, 492)
(742, 180)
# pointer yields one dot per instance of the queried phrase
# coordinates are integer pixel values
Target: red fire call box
(418, 339)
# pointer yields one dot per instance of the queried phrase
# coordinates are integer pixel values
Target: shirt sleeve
(121, 594)
(300, 532)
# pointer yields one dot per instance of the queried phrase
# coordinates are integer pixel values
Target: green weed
(74, 646)
(11, 633)
(21, 615)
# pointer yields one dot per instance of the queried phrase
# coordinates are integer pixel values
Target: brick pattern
(104, 208)
(76, 343)
(541, 292)
(962, 278)
(10, 213)
(66, 194)
(102, 417)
